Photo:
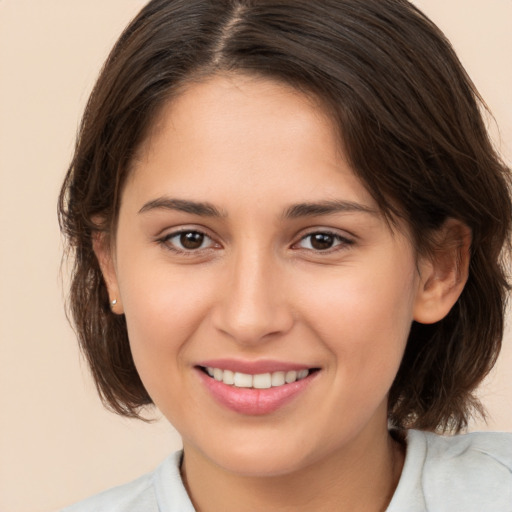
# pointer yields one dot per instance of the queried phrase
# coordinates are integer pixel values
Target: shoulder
(492, 449)
(471, 472)
(133, 496)
(141, 495)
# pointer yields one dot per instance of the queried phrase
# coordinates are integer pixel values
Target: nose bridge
(254, 304)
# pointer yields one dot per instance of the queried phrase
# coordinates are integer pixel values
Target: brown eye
(191, 240)
(322, 241)
(187, 241)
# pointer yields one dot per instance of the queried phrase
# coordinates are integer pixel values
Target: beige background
(57, 445)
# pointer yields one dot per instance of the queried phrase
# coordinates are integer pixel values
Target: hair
(411, 125)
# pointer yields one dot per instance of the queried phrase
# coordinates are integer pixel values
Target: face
(267, 301)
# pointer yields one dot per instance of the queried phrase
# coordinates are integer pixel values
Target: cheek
(368, 317)
(163, 313)
(163, 307)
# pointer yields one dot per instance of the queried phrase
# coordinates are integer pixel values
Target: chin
(259, 459)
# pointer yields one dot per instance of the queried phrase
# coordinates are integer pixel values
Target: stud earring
(113, 303)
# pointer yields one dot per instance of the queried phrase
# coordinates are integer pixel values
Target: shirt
(463, 473)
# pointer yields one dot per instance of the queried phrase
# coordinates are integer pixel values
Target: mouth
(255, 389)
(257, 381)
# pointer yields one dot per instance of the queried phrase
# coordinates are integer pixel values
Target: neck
(362, 477)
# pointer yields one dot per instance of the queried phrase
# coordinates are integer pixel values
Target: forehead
(242, 132)
(222, 112)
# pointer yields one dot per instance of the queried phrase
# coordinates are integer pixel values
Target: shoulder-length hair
(410, 122)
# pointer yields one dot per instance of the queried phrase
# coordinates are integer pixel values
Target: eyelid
(343, 240)
(165, 238)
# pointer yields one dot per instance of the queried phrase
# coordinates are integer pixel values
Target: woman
(289, 227)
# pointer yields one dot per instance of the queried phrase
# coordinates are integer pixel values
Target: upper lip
(253, 367)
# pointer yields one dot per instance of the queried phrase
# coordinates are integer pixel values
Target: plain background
(57, 444)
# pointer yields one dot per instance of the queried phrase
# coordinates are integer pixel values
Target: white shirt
(464, 473)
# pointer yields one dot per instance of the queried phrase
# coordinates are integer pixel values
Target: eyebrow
(325, 208)
(312, 209)
(202, 209)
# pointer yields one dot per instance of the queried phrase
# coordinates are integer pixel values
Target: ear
(443, 273)
(105, 256)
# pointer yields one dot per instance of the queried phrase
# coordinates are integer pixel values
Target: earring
(113, 304)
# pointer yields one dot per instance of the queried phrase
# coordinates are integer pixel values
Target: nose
(253, 305)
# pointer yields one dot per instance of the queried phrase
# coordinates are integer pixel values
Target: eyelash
(341, 242)
(166, 242)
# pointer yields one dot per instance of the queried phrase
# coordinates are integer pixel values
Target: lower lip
(255, 402)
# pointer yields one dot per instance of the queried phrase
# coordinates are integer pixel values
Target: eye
(187, 241)
(322, 241)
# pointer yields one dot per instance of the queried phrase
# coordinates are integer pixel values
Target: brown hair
(411, 126)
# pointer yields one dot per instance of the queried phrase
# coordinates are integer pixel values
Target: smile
(258, 381)
(255, 388)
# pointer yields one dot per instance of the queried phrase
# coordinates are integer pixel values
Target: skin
(258, 289)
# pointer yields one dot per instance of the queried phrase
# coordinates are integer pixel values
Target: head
(407, 121)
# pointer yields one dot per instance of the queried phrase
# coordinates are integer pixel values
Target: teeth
(278, 379)
(262, 381)
(302, 374)
(243, 380)
(228, 377)
(290, 377)
(259, 381)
